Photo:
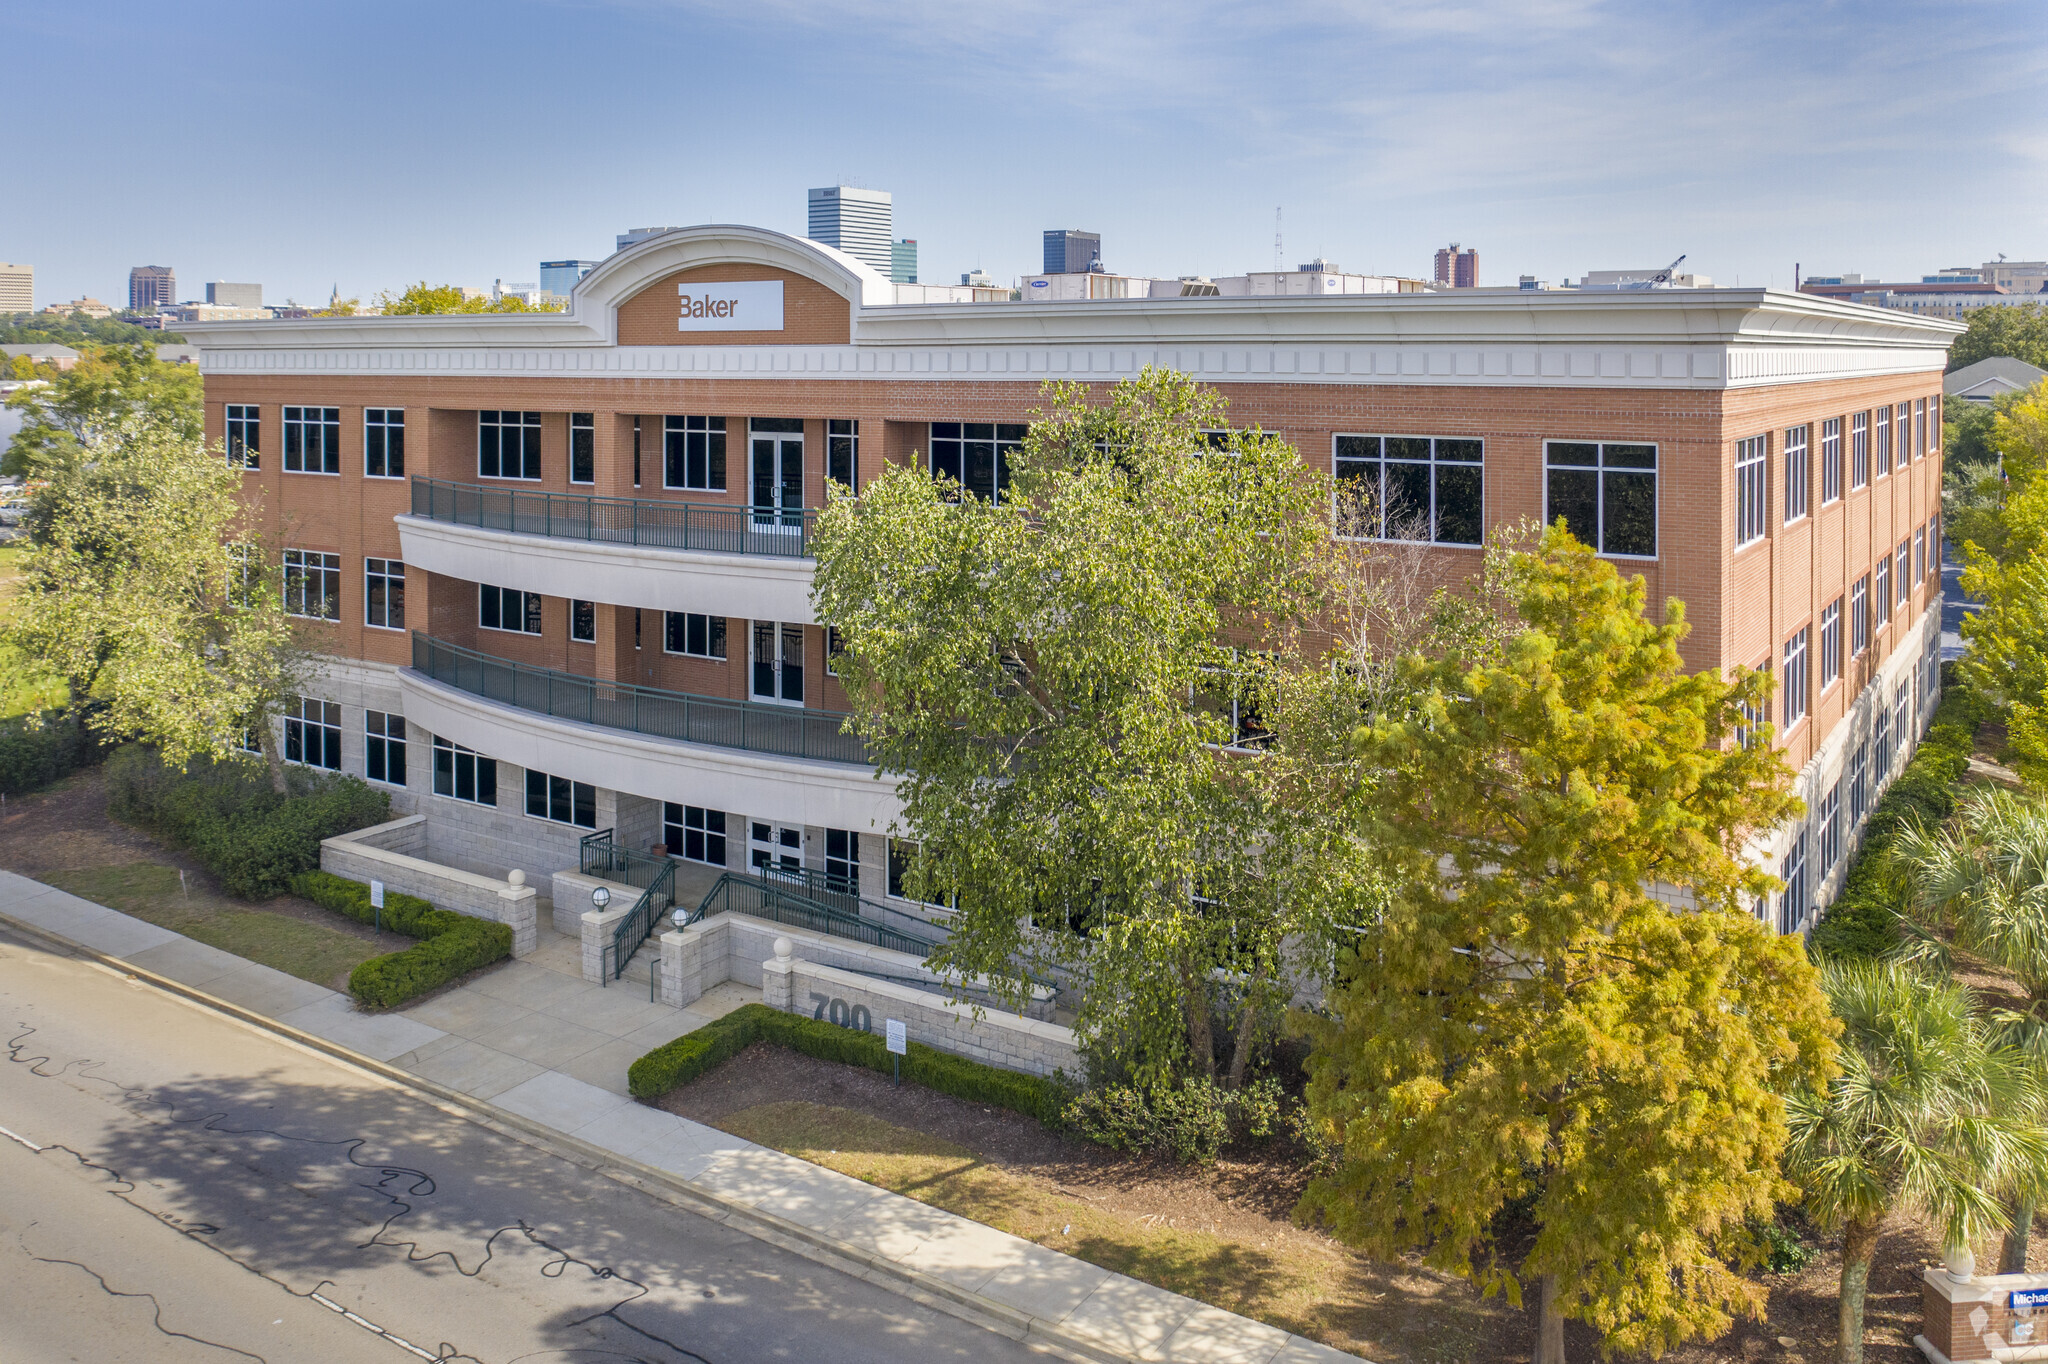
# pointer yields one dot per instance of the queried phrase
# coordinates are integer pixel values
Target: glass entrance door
(772, 848)
(778, 662)
(776, 487)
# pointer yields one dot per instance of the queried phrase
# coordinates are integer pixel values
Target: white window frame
(242, 435)
(297, 446)
(1859, 616)
(390, 573)
(313, 717)
(583, 424)
(695, 821)
(1830, 461)
(1859, 450)
(520, 421)
(379, 428)
(310, 575)
(1798, 473)
(531, 609)
(571, 800)
(385, 745)
(1752, 489)
(1830, 644)
(479, 766)
(717, 630)
(700, 431)
(1432, 513)
(1795, 689)
(1601, 470)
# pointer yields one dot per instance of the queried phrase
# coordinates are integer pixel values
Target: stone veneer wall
(390, 853)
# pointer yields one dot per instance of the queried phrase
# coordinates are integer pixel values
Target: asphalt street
(176, 1186)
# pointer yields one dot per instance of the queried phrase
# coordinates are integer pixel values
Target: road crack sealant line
(927, 1290)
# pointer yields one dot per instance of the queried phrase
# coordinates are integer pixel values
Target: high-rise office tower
(1457, 269)
(1069, 252)
(903, 261)
(151, 287)
(560, 276)
(860, 222)
(17, 288)
(227, 295)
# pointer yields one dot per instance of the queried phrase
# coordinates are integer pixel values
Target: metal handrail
(654, 902)
(752, 895)
(599, 856)
(790, 731)
(842, 894)
(720, 528)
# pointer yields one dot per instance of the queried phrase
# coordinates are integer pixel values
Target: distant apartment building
(1071, 252)
(560, 276)
(978, 278)
(1456, 269)
(860, 222)
(633, 236)
(903, 261)
(89, 307)
(151, 287)
(225, 295)
(211, 312)
(17, 288)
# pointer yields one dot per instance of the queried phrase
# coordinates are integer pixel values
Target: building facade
(560, 276)
(151, 287)
(1069, 251)
(561, 566)
(860, 222)
(903, 261)
(17, 288)
(223, 294)
(1457, 269)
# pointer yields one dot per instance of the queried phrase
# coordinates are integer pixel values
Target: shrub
(227, 816)
(451, 944)
(1191, 1122)
(686, 1058)
(35, 751)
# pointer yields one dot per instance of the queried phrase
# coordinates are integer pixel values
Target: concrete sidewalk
(524, 1041)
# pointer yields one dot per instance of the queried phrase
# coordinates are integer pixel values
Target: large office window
(842, 453)
(1902, 568)
(464, 773)
(1881, 590)
(1751, 717)
(1919, 556)
(699, 636)
(1606, 493)
(1411, 488)
(1796, 696)
(384, 593)
(561, 800)
(1830, 830)
(384, 747)
(1792, 906)
(383, 442)
(312, 440)
(694, 834)
(1752, 488)
(694, 453)
(1859, 450)
(507, 608)
(312, 733)
(1830, 460)
(582, 620)
(1859, 782)
(312, 584)
(583, 447)
(1831, 644)
(1920, 446)
(1881, 742)
(842, 861)
(976, 455)
(245, 435)
(507, 444)
(1796, 473)
(1882, 440)
(1859, 615)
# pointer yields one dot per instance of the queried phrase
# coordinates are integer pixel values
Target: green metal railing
(791, 731)
(764, 899)
(711, 527)
(599, 856)
(655, 901)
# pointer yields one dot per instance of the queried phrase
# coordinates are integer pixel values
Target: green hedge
(36, 752)
(451, 944)
(1864, 919)
(689, 1056)
(227, 816)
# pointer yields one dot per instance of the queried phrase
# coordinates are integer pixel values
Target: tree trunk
(1549, 1324)
(1195, 1003)
(2012, 1251)
(1859, 1243)
(1247, 1031)
(272, 759)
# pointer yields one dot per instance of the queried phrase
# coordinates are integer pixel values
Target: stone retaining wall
(390, 853)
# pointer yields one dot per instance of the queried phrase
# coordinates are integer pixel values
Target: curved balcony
(663, 556)
(767, 761)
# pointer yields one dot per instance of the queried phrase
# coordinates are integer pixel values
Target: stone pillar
(778, 985)
(519, 908)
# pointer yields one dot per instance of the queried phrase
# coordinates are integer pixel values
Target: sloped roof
(2015, 373)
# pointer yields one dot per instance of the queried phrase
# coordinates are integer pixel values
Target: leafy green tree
(2021, 332)
(1929, 1113)
(2007, 570)
(147, 587)
(1533, 1022)
(103, 391)
(449, 298)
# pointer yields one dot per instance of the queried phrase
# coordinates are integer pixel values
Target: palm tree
(1929, 1114)
(1985, 878)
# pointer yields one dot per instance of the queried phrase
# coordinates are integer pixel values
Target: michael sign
(740, 306)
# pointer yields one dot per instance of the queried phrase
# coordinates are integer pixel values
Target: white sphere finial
(516, 877)
(783, 947)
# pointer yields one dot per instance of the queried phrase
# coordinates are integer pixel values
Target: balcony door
(776, 488)
(778, 662)
(774, 848)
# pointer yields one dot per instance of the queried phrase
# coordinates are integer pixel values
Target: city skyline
(1751, 138)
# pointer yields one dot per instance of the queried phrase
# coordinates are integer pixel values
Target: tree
(1928, 1113)
(1533, 1023)
(147, 587)
(1051, 677)
(99, 393)
(450, 298)
(2007, 569)
(2020, 331)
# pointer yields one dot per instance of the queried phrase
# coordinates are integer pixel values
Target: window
(312, 584)
(583, 447)
(508, 444)
(1410, 488)
(692, 834)
(384, 442)
(245, 435)
(1796, 473)
(507, 608)
(1831, 644)
(1902, 717)
(1859, 616)
(384, 747)
(1919, 556)
(1795, 678)
(1902, 567)
(583, 621)
(1830, 831)
(1881, 741)
(902, 852)
(1881, 596)
(1752, 493)
(1859, 783)
(1792, 904)
(312, 734)
(1884, 441)
(561, 800)
(695, 453)
(1859, 450)
(1607, 494)
(242, 572)
(1920, 446)
(1229, 696)
(976, 455)
(384, 593)
(842, 453)
(842, 861)
(464, 773)
(835, 645)
(1830, 460)
(636, 452)
(312, 440)
(1749, 724)
(695, 635)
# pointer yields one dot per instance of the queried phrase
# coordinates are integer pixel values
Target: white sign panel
(377, 894)
(898, 1040)
(748, 305)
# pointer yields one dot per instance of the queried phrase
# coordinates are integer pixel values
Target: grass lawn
(151, 891)
(23, 687)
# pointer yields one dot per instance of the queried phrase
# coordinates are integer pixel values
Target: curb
(925, 1289)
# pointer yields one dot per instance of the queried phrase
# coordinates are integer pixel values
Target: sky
(369, 145)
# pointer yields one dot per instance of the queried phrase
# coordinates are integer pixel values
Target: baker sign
(745, 305)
